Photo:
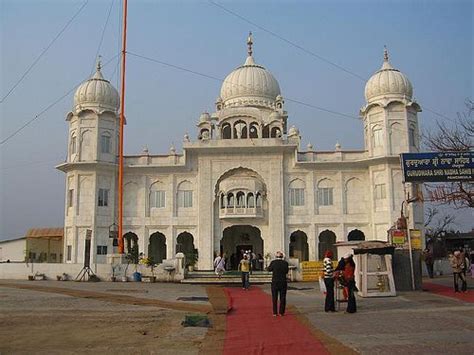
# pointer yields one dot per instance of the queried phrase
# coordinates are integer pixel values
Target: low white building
(245, 182)
(12, 250)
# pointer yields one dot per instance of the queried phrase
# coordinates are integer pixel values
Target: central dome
(250, 84)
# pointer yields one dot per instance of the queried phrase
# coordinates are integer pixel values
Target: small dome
(96, 92)
(293, 131)
(388, 81)
(250, 84)
(205, 117)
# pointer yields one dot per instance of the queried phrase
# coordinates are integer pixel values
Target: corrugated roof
(45, 233)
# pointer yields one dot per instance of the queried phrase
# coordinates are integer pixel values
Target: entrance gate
(237, 240)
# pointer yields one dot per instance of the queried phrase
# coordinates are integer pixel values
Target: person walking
(279, 269)
(429, 261)
(219, 265)
(457, 264)
(329, 282)
(349, 269)
(244, 268)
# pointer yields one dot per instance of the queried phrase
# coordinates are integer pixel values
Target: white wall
(13, 250)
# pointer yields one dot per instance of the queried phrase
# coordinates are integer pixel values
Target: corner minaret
(90, 168)
(390, 114)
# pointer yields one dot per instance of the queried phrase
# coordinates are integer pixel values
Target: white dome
(204, 117)
(293, 131)
(250, 84)
(96, 92)
(388, 81)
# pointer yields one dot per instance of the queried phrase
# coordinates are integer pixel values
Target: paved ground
(116, 318)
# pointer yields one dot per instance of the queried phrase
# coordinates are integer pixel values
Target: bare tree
(457, 137)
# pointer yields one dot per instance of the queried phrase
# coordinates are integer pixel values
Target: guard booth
(374, 272)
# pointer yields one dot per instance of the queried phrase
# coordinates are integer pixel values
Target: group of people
(460, 264)
(344, 275)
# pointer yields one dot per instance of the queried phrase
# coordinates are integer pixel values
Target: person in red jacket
(349, 278)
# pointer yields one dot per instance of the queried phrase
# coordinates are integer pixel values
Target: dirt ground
(48, 323)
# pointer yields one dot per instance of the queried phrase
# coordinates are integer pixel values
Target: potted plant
(149, 262)
(191, 259)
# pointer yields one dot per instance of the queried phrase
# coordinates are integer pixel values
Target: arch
(377, 136)
(185, 194)
(355, 196)
(157, 195)
(240, 199)
(396, 138)
(298, 247)
(250, 200)
(236, 171)
(253, 130)
(204, 133)
(258, 200)
(238, 238)
(86, 145)
(355, 234)
(226, 131)
(327, 240)
(157, 247)
(131, 243)
(240, 129)
(185, 243)
(222, 201)
(296, 192)
(106, 143)
(275, 132)
(230, 199)
(324, 192)
(73, 143)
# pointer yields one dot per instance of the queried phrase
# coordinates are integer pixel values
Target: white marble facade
(244, 182)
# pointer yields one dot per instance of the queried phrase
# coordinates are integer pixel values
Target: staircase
(229, 277)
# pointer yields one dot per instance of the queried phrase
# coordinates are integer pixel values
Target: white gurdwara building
(244, 183)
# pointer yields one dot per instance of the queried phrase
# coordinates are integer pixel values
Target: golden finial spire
(385, 53)
(249, 43)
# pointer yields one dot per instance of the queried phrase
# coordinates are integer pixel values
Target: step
(225, 280)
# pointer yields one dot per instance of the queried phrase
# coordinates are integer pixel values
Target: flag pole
(122, 122)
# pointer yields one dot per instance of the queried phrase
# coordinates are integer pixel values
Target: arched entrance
(157, 247)
(299, 246)
(355, 235)
(236, 239)
(131, 243)
(327, 239)
(185, 243)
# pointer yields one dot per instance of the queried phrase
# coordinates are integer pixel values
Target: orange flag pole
(122, 121)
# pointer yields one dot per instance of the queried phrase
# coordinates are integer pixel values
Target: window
(185, 198)
(70, 197)
(380, 192)
(103, 200)
(296, 197)
(105, 144)
(69, 253)
(102, 250)
(325, 196)
(378, 137)
(73, 145)
(157, 199)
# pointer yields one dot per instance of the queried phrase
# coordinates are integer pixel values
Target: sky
(429, 41)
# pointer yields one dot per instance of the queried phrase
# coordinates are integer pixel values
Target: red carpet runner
(448, 292)
(252, 329)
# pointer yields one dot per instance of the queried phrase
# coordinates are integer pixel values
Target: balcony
(240, 212)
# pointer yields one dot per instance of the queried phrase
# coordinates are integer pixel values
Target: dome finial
(385, 53)
(99, 62)
(249, 44)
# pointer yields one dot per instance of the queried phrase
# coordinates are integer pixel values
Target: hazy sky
(430, 41)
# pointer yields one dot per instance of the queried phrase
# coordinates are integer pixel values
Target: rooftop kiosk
(373, 272)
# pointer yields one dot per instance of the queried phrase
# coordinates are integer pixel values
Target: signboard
(438, 167)
(415, 236)
(398, 237)
(312, 270)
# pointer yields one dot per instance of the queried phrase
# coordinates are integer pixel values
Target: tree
(458, 137)
(436, 228)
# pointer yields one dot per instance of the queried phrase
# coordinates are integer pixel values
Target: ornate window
(378, 136)
(325, 196)
(73, 144)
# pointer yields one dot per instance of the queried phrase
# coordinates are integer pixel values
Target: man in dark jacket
(279, 268)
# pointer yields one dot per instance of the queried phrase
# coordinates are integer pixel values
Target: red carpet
(252, 329)
(449, 292)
